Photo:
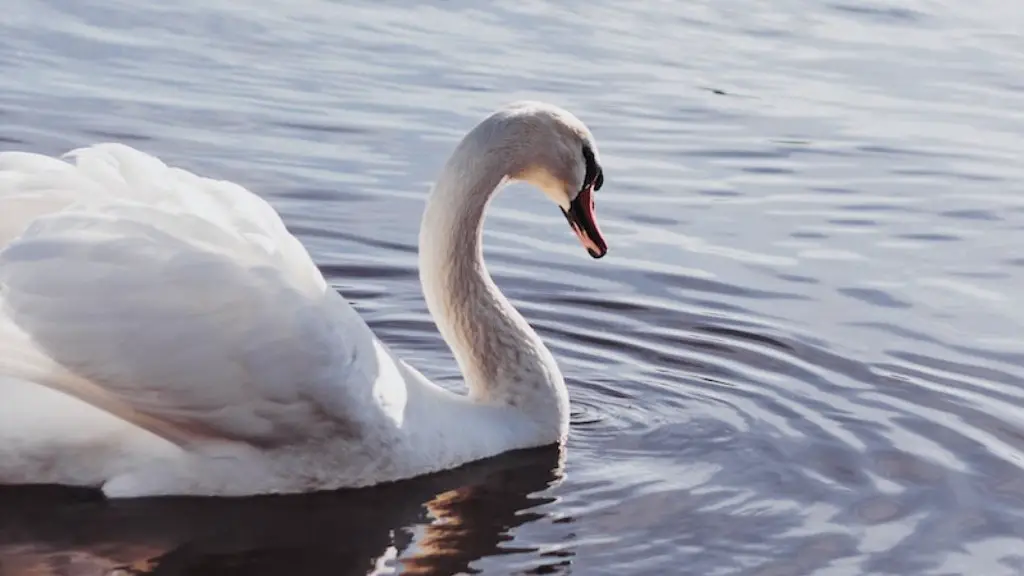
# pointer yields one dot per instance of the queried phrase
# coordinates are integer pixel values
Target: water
(802, 355)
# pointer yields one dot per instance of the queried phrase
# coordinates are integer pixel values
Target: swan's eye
(593, 175)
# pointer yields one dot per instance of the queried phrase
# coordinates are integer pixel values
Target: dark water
(803, 354)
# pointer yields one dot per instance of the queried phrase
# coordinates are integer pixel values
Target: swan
(162, 333)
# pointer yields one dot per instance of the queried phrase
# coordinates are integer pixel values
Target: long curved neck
(501, 357)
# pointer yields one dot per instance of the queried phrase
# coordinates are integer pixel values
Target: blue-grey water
(803, 354)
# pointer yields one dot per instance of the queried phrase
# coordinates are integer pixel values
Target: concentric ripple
(802, 354)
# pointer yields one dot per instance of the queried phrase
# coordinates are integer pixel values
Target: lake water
(802, 355)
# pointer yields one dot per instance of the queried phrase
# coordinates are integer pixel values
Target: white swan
(200, 351)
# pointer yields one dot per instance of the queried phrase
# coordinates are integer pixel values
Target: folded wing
(176, 302)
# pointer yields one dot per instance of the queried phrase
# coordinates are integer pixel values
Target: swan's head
(553, 150)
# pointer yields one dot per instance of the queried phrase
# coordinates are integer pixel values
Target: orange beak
(584, 223)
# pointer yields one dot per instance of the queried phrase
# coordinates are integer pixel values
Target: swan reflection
(439, 524)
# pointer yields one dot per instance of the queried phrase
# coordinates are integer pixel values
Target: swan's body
(195, 348)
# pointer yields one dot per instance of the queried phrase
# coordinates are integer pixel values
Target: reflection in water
(802, 357)
(439, 524)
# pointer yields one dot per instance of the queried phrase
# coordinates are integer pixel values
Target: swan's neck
(502, 359)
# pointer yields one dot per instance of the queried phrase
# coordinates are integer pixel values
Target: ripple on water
(801, 356)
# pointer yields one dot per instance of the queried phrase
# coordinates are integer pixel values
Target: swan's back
(115, 175)
(178, 303)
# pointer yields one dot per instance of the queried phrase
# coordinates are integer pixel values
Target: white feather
(200, 350)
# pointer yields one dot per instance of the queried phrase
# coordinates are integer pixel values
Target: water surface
(801, 356)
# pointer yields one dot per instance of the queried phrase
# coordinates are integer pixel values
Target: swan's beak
(581, 217)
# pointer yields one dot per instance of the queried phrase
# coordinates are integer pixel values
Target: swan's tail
(48, 434)
(22, 360)
(33, 414)
(19, 358)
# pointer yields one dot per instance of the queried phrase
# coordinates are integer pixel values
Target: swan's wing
(32, 185)
(180, 304)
